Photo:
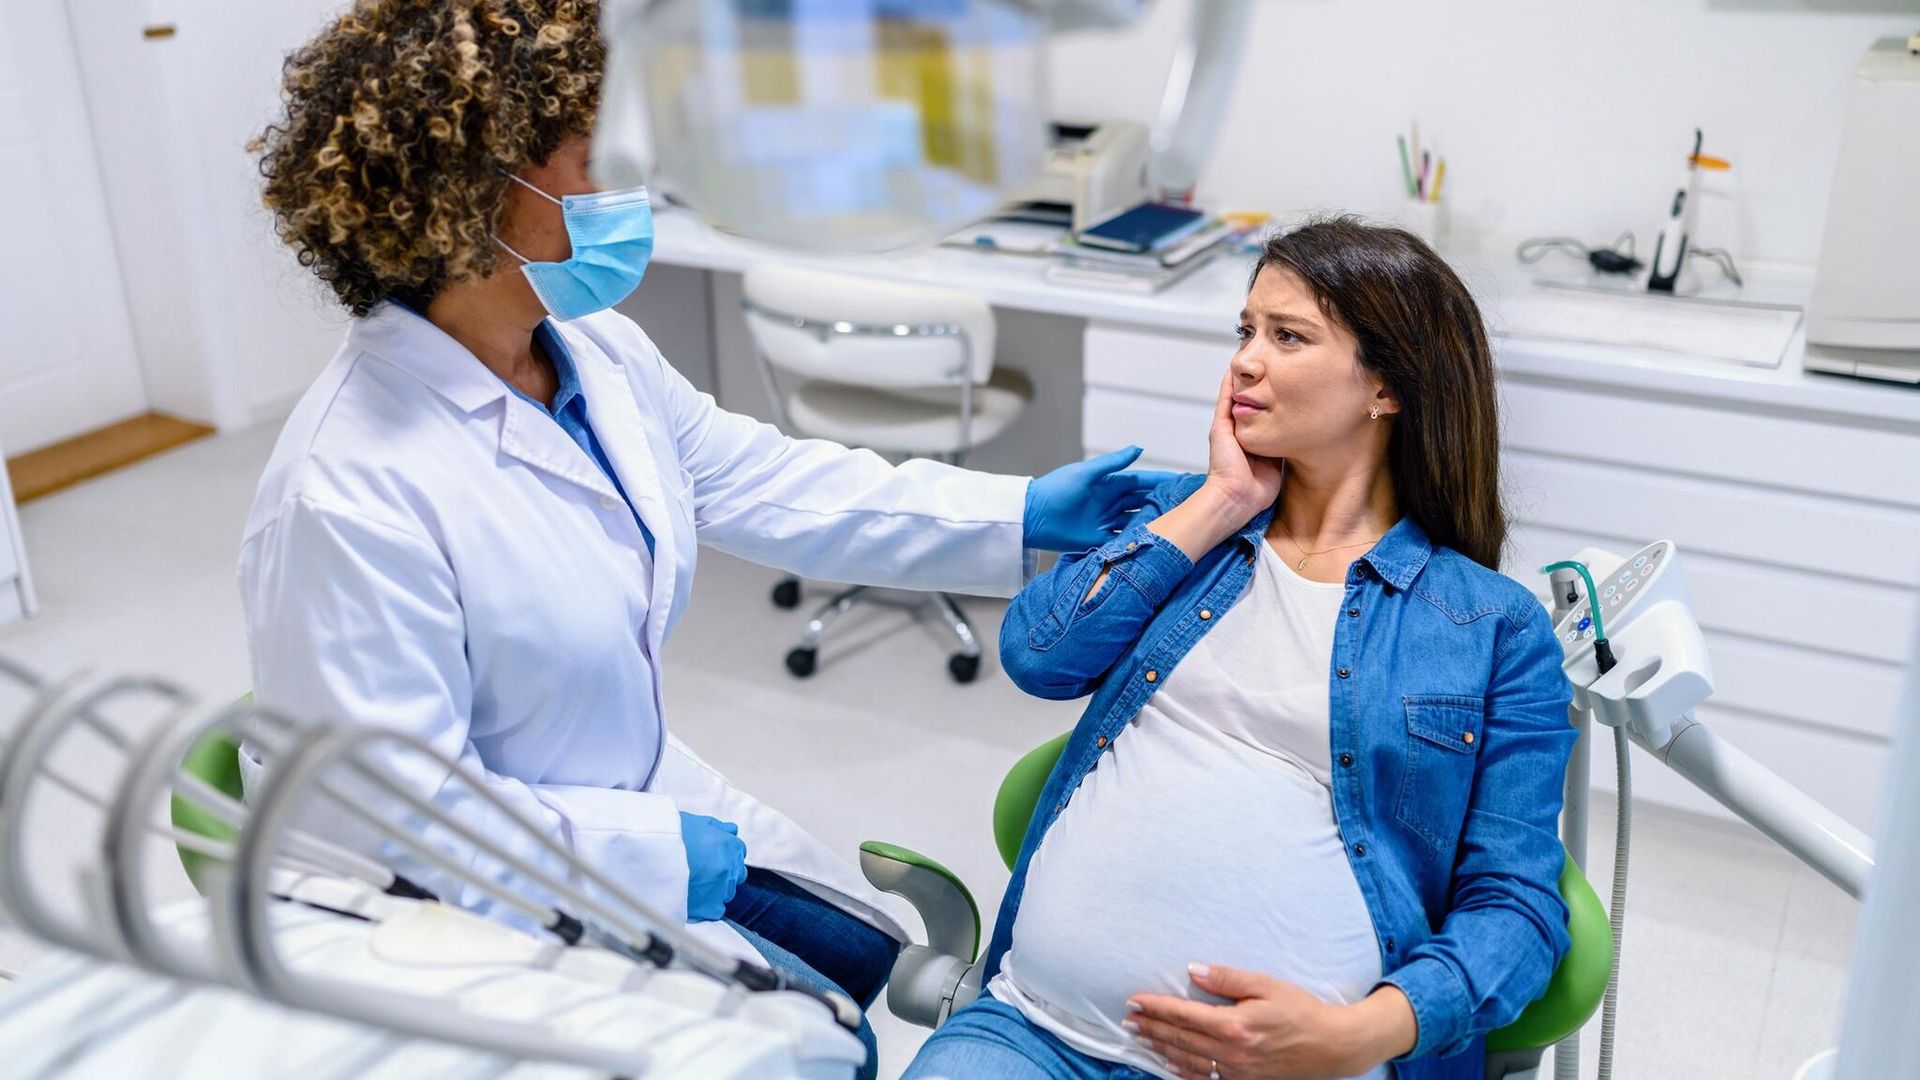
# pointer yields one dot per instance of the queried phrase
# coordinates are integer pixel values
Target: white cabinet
(1800, 530)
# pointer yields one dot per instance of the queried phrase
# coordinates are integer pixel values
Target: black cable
(1618, 259)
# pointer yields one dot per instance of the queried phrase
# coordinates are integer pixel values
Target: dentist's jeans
(814, 943)
(990, 1038)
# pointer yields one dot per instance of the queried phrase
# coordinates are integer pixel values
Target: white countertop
(1206, 301)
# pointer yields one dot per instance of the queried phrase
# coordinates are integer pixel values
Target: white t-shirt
(1205, 834)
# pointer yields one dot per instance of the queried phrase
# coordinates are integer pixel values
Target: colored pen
(1439, 174)
(1426, 165)
(1406, 165)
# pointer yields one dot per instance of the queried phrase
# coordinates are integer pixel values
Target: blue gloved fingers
(1113, 461)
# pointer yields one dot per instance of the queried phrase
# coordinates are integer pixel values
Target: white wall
(1556, 116)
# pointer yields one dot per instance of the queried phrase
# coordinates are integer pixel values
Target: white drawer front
(1172, 432)
(1794, 607)
(1183, 366)
(1777, 451)
(1781, 528)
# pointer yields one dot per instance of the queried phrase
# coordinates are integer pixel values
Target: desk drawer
(1186, 367)
(1787, 529)
(1171, 432)
(1827, 458)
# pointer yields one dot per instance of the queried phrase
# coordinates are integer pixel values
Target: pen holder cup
(1426, 220)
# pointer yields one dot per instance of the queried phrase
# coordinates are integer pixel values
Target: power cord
(1617, 259)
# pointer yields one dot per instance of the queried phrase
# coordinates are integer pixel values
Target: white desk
(1795, 497)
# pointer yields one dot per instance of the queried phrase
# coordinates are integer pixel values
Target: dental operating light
(868, 125)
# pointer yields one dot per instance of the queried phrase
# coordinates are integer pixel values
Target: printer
(1864, 317)
(1092, 172)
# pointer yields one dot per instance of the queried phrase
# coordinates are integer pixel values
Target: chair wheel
(963, 668)
(802, 661)
(787, 595)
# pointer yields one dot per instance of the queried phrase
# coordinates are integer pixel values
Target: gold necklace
(1301, 566)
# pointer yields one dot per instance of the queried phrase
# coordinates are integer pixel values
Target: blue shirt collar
(563, 369)
(1398, 557)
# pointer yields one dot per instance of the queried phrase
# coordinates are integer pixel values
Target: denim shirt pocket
(1443, 746)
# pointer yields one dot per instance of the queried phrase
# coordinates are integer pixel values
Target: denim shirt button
(1154, 676)
(1343, 673)
(1353, 613)
(1131, 545)
(1360, 850)
(1100, 742)
(1205, 614)
(1389, 944)
(1347, 760)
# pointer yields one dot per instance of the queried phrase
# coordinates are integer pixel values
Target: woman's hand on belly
(1273, 1029)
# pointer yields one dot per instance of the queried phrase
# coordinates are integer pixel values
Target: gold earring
(1373, 413)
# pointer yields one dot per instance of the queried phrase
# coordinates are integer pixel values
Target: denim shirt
(1449, 740)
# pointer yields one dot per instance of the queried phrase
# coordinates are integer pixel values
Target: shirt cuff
(1440, 1005)
(1151, 563)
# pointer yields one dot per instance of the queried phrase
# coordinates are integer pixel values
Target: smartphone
(1144, 228)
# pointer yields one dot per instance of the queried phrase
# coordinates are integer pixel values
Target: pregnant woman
(1306, 826)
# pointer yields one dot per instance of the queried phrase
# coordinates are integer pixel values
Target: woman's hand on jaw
(1238, 486)
(1274, 1030)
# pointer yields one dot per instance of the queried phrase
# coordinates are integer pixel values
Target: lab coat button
(608, 502)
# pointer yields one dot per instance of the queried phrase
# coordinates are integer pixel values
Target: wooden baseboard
(66, 463)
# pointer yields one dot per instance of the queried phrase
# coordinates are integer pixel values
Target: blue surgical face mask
(612, 237)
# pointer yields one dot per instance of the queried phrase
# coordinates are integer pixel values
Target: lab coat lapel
(622, 432)
(529, 436)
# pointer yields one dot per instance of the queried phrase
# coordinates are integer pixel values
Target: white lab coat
(429, 552)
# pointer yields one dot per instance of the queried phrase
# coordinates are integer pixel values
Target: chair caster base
(963, 668)
(802, 661)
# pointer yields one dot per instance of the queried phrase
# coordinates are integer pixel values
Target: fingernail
(1133, 1007)
(1199, 971)
(1130, 1027)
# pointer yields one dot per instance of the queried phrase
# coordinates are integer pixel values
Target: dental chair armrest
(944, 904)
(929, 981)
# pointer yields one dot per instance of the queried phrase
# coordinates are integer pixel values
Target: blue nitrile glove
(1080, 506)
(716, 865)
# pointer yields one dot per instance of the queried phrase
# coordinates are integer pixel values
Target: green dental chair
(930, 981)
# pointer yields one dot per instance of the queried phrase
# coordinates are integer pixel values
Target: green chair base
(216, 760)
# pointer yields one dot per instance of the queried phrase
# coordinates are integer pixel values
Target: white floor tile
(1734, 958)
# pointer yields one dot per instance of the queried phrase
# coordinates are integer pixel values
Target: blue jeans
(991, 1038)
(814, 944)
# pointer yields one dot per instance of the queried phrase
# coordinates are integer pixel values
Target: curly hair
(403, 119)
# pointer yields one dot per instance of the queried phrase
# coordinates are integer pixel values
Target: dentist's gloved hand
(716, 865)
(1081, 506)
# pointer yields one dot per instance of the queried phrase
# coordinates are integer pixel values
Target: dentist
(480, 524)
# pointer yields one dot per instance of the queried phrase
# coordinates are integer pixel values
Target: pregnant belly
(1146, 873)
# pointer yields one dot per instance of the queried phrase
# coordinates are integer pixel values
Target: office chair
(903, 370)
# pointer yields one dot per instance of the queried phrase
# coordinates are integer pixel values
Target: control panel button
(1632, 585)
(1641, 561)
(1585, 621)
(1648, 572)
(1626, 576)
(1611, 589)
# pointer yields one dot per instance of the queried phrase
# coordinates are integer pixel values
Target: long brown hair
(1418, 330)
